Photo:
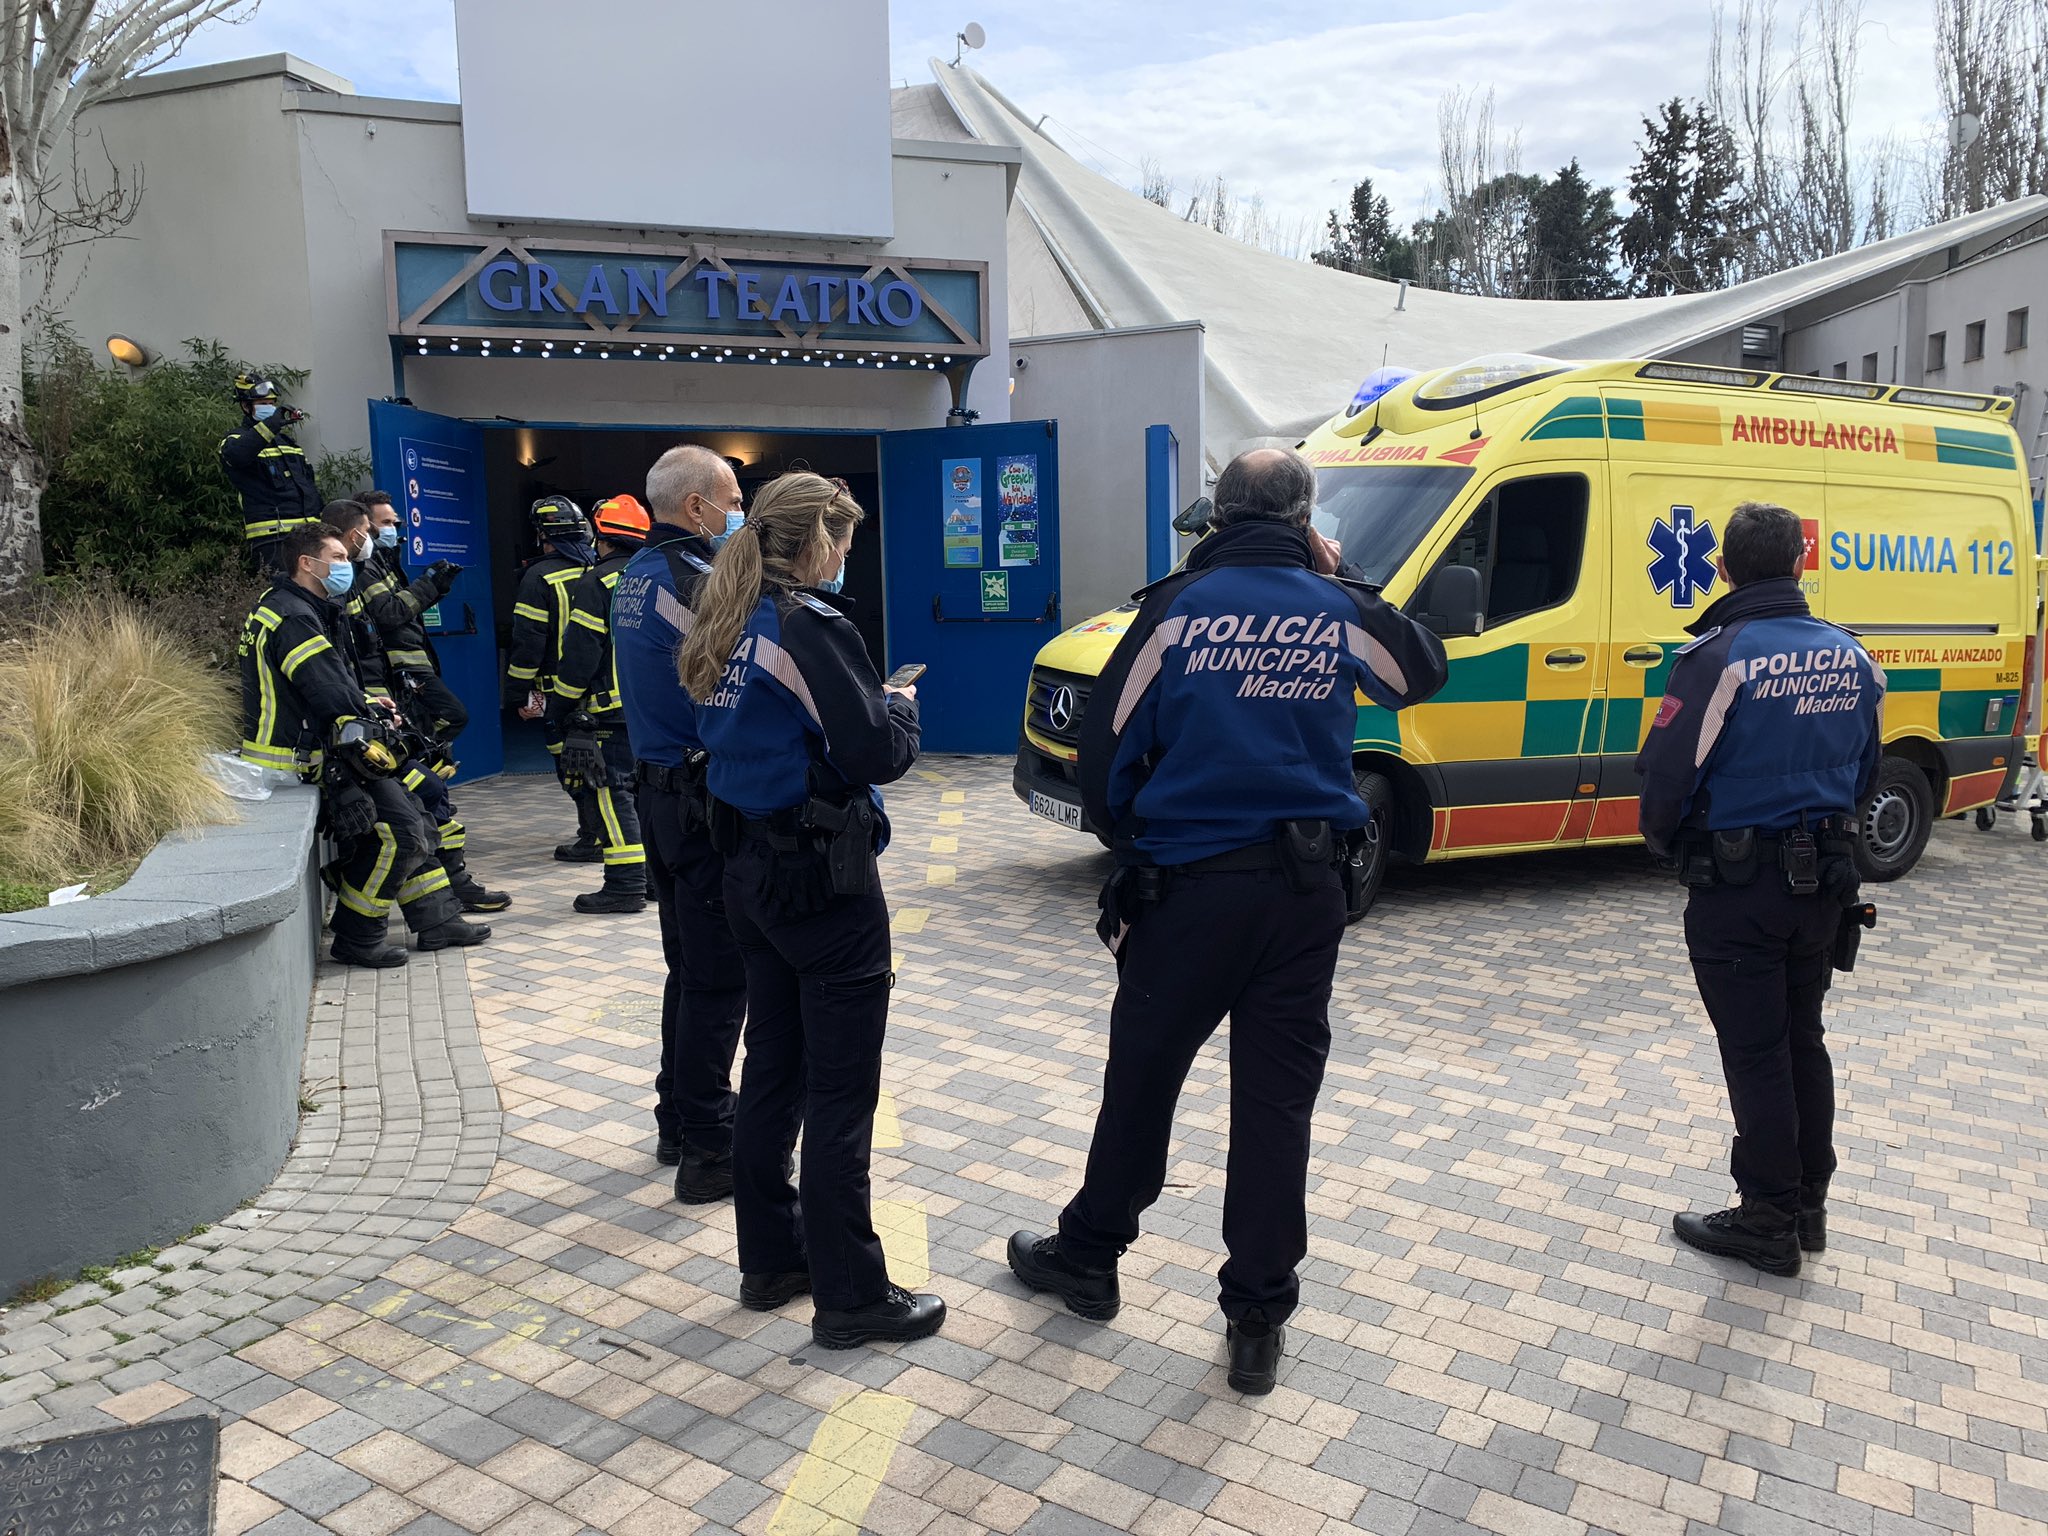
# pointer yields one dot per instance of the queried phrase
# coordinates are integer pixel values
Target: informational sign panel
(765, 118)
(1017, 481)
(960, 501)
(440, 482)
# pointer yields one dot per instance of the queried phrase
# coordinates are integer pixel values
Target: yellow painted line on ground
(953, 797)
(888, 1128)
(939, 874)
(389, 1304)
(930, 777)
(911, 920)
(842, 1472)
(896, 960)
(952, 818)
(945, 845)
(900, 1224)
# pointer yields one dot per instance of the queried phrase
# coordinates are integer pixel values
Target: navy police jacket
(651, 614)
(1230, 705)
(1771, 718)
(798, 690)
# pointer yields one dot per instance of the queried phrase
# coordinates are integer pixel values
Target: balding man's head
(685, 471)
(1267, 484)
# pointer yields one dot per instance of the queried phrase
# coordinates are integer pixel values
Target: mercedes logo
(1059, 711)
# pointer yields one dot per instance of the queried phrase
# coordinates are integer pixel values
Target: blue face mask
(734, 521)
(838, 580)
(387, 537)
(264, 412)
(341, 575)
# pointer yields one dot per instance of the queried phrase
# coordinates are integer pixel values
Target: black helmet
(253, 388)
(557, 517)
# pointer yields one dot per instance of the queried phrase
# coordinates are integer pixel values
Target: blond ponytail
(795, 522)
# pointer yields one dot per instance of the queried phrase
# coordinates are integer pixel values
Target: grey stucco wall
(151, 1040)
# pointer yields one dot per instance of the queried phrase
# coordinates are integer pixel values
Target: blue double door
(969, 571)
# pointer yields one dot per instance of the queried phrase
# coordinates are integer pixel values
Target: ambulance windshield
(1379, 515)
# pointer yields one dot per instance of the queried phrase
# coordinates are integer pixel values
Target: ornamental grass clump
(106, 721)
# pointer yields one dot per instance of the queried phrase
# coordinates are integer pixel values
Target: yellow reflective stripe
(408, 658)
(269, 756)
(614, 834)
(266, 685)
(563, 690)
(261, 530)
(425, 883)
(359, 899)
(302, 653)
(626, 853)
(566, 574)
(413, 778)
(522, 674)
(453, 835)
(578, 616)
(281, 451)
(266, 618)
(528, 611)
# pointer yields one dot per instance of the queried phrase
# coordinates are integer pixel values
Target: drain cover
(156, 1480)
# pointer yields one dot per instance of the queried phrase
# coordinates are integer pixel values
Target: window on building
(1870, 367)
(1527, 540)
(2015, 330)
(1937, 351)
(1759, 343)
(1973, 342)
(1841, 370)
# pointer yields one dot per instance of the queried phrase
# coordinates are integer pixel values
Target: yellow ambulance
(1585, 500)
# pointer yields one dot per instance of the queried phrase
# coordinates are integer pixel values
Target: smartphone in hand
(904, 675)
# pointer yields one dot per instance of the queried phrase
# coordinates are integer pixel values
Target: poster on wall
(960, 517)
(1017, 489)
(438, 486)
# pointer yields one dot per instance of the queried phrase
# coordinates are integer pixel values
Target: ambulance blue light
(1377, 383)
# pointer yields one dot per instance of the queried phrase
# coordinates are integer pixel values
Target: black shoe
(1038, 1262)
(1255, 1347)
(764, 1293)
(475, 898)
(896, 1319)
(668, 1153)
(454, 934)
(701, 1180)
(1813, 1217)
(582, 851)
(1763, 1238)
(632, 899)
(376, 957)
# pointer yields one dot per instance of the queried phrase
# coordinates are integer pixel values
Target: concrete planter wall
(151, 1039)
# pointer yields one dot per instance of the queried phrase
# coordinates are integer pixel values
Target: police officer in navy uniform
(694, 501)
(1218, 748)
(1766, 742)
(801, 730)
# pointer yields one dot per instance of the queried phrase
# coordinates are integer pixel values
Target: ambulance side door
(1671, 503)
(1509, 729)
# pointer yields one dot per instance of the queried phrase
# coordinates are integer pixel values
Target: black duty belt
(1257, 856)
(670, 778)
(784, 832)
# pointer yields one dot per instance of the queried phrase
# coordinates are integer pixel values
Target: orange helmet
(622, 517)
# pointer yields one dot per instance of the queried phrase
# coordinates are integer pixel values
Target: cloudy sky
(1273, 95)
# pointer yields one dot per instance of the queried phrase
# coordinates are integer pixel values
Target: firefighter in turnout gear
(800, 730)
(304, 711)
(1217, 746)
(427, 765)
(393, 604)
(1769, 738)
(268, 470)
(694, 499)
(584, 711)
(540, 623)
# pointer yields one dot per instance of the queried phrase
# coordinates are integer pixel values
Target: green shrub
(105, 723)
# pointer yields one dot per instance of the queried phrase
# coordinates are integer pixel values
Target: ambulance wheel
(1377, 790)
(1986, 818)
(1897, 820)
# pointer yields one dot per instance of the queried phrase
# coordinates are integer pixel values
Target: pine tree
(1364, 239)
(1660, 188)
(1571, 234)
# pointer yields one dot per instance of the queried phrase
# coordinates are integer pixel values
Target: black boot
(613, 898)
(766, 1292)
(1760, 1235)
(475, 898)
(1813, 1217)
(702, 1178)
(667, 1153)
(585, 850)
(454, 934)
(1255, 1347)
(375, 955)
(896, 1319)
(1038, 1262)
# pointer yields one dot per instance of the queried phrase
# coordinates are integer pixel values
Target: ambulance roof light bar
(1806, 384)
(1946, 399)
(1693, 373)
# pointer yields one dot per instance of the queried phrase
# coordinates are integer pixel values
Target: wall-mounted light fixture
(129, 352)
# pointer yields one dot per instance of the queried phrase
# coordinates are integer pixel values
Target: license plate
(1055, 810)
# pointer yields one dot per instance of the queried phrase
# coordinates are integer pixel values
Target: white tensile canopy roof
(1288, 341)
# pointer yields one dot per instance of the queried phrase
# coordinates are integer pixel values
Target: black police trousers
(1242, 943)
(397, 860)
(817, 1004)
(1763, 960)
(706, 995)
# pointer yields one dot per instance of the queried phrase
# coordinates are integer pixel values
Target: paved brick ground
(1498, 1331)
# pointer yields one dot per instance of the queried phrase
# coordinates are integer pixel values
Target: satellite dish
(973, 35)
(1963, 129)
